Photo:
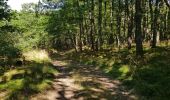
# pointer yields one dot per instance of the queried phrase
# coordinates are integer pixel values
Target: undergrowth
(148, 77)
(21, 82)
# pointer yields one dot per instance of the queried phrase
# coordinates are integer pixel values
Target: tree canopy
(126, 40)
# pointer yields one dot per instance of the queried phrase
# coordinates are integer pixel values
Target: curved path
(81, 82)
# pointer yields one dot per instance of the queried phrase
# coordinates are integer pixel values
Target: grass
(20, 83)
(37, 56)
(109, 61)
(152, 79)
(27, 80)
(148, 77)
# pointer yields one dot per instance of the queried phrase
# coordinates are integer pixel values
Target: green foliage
(152, 79)
(23, 82)
(84, 23)
(24, 32)
(7, 44)
(29, 7)
(39, 56)
(149, 78)
(4, 10)
(110, 62)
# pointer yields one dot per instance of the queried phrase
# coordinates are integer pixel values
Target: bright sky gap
(17, 4)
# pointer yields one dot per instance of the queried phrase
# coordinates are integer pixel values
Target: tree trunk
(138, 32)
(111, 39)
(155, 25)
(92, 25)
(119, 19)
(80, 26)
(100, 24)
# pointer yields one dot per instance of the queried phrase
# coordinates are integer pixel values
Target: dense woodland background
(126, 39)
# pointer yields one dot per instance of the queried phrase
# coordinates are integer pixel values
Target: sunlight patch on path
(83, 82)
(63, 89)
(4, 94)
(59, 63)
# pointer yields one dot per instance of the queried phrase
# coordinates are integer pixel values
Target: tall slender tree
(155, 24)
(100, 23)
(138, 32)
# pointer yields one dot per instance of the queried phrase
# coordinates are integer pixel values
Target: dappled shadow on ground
(98, 78)
(77, 81)
(98, 85)
(148, 77)
(151, 80)
(22, 82)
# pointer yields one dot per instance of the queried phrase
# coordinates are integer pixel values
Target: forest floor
(103, 75)
(77, 81)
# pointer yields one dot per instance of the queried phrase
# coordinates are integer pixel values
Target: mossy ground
(20, 82)
(148, 77)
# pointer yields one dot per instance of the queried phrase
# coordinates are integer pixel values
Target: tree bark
(92, 25)
(138, 32)
(100, 24)
(155, 25)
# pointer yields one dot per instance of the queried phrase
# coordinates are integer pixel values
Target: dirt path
(81, 82)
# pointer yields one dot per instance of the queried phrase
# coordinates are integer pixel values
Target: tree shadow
(35, 78)
(148, 77)
(151, 80)
(96, 84)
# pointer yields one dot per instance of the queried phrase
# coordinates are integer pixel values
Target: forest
(85, 50)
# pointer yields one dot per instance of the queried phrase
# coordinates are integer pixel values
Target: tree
(92, 25)
(100, 23)
(155, 24)
(130, 15)
(138, 32)
(4, 9)
(168, 17)
(29, 7)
